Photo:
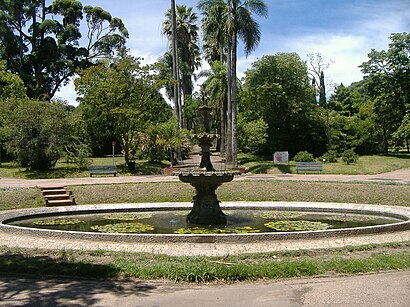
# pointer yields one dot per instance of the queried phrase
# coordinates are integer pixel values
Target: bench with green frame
(102, 169)
(309, 166)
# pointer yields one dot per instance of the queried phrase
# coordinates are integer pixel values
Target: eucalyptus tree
(42, 43)
(236, 22)
(187, 49)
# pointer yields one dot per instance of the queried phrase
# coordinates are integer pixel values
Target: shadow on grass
(53, 173)
(399, 155)
(43, 290)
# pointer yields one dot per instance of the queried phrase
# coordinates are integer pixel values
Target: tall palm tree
(186, 44)
(216, 85)
(236, 22)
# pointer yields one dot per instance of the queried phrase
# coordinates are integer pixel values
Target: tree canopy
(120, 100)
(41, 43)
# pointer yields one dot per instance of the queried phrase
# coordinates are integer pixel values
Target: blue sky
(343, 31)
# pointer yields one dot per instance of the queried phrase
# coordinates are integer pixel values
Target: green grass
(70, 170)
(367, 165)
(395, 195)
(374, 164)
(119, 265)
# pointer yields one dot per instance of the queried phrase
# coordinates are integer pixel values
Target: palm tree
(236, 22)
(186, 44)
(216, 85)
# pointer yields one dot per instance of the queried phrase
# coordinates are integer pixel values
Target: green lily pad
(123, 228)
(297, 225)
(128, 216)
(278, 215)
(58, 222)
(203, 230)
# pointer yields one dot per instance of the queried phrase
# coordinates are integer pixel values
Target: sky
(342, 31)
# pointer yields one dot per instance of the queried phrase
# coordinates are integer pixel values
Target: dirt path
(382, 289)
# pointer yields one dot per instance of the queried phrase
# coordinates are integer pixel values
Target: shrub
(349, 156)
(330, 156)
(304, 156)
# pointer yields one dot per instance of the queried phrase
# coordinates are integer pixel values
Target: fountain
(205, 180)
(228, 234)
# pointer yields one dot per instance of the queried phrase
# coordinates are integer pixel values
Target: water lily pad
(124, 228)
(128, 216)
(58, 222)
(278, 215)
(203, 230)
(297, 225)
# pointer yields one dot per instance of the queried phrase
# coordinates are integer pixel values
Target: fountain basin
(401, 213)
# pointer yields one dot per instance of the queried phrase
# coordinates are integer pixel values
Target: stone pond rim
(402, 213)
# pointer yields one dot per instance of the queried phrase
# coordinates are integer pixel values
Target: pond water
(174, 222)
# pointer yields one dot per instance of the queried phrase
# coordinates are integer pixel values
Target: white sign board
(281, 157)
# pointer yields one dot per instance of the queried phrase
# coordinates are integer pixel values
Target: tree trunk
(228, 154)
(234, 91)
(223, 127)
(175, 73)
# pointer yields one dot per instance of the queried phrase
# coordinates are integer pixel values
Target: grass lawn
(69, 170)
(117, 265)
(367, 165)
(395, 195)
(374, 164)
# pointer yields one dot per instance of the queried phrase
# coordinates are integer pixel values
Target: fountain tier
(205, 180)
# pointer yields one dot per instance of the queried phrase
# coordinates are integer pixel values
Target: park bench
(309, 166)
(102, 169)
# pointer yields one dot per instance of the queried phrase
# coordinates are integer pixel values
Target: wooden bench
(102, 169)
(309, 166)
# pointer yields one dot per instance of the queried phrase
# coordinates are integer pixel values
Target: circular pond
(166, 222)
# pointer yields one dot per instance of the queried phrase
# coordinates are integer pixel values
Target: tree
(387, 83)
(237, 22)
(316, 68)
(187, 49)
(277, 89)
(41, 43)
(11, 85)
(121, 98)
(37, 133)
(216, 85)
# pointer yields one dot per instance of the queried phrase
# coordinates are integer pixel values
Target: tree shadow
(399, 155)
(41, 290)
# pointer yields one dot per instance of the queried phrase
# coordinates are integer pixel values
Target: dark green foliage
(252, 135)
(304, 156)
(387, 83)
(330, 156)
(41, 43)
(322, 91)
(277, 89)
(37, 134)
(349, 156)
(120, 101)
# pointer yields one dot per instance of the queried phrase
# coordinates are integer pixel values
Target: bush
(38, 132)
(252, 135)
(304, 156)
(330, 156)
(349, 156)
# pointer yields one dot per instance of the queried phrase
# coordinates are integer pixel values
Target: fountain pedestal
(205, 180)
(206, 209)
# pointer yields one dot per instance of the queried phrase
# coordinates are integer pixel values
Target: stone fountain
(205, 179)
